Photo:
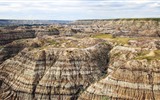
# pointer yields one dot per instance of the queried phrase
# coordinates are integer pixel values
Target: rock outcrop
(52, 73)
(50, 32)
(145, 43)
(120, 27)
(10, 50)
(132, 75)
(9, 36)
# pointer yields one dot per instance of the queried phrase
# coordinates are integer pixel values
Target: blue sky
(78, 9)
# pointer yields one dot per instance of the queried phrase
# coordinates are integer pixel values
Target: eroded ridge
(131, 75)
(52, 73)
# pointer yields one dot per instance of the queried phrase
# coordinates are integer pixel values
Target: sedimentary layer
(120, 27)
(9, 36)
(130, 77)
(52, 73)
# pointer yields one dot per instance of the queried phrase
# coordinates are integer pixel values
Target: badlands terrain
(117, 59)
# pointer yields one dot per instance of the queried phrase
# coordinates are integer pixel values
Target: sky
(78, 9)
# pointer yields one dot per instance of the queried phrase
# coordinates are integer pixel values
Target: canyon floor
(82, 60)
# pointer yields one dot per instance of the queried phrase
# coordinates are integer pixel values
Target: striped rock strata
(130, 77)
(9, 36)
(120, 27)
(13, 48)
(52, 73)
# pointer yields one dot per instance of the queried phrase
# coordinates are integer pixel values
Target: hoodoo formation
(83, 60)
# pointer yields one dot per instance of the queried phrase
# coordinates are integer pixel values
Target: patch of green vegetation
(52, 42)
(1, 47)
(103, 36)
(104, 43)
(122, 40)
(105, 98)
(149, 55)
(61, 43)
(116, 54)
(119, 40)
(48, 42)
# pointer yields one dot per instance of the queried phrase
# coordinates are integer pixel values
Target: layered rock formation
(132, 75)
(9, 36)
(51, 73)
(50, 32)
(120, 27)
(145, 43)
(12, 49)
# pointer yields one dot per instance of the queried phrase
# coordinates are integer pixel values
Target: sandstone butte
(74, 62)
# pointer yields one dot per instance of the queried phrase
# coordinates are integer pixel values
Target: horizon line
(81, 19)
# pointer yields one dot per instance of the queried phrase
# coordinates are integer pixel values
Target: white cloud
(155, 5)
(49, 6)
(78, 9)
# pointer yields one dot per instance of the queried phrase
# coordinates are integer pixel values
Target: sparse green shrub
(105, 98)
(102, 36)
(119, 40)
(1, 47)
(144, 55)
